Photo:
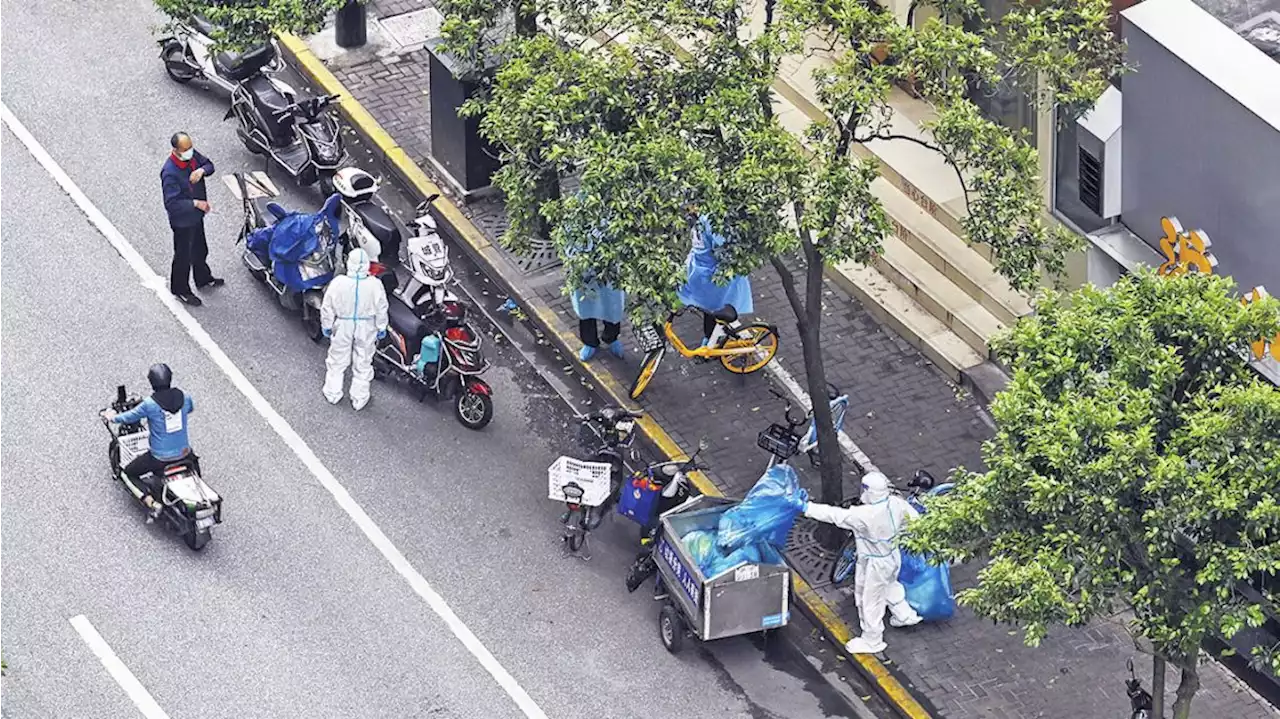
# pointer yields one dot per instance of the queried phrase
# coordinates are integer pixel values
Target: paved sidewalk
(904, 414)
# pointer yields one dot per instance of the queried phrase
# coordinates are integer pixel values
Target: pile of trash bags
(751, 532)
(928, 587)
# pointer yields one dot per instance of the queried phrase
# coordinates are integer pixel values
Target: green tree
(1136, 460)
(244, 23)
(676, 119)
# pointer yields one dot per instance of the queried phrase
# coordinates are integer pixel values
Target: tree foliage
(244, 23)
(1136, 460)
(663, 112)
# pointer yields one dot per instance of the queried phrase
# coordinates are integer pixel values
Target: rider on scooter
(166, 412)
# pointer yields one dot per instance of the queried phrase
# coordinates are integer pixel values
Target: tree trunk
(1188, 685)
(1157, 686)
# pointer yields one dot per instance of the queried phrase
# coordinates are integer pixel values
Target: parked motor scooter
(187, 57)
(365, 223)
(298, 134)
(428, 260)
(299, 282)
(190, 507)
(440, 356)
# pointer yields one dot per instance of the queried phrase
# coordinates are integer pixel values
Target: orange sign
(1190, 251)
(1185, 251)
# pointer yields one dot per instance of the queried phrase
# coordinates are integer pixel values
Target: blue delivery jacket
(168, 427)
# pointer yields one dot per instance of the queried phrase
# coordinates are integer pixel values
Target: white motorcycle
(191, 507)
(430, 272)
(186, 54)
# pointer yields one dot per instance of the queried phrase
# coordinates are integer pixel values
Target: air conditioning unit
(1098, 153)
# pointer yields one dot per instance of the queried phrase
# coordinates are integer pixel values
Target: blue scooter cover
(292, 239)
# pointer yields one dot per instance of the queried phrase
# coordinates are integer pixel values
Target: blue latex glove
(382, 334)
(327, 333)
(800, 500)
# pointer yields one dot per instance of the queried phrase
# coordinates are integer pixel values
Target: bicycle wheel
(762, 337)
(647, 369)
(842, 570)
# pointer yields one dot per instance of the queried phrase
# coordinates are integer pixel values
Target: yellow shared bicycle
(742, 349)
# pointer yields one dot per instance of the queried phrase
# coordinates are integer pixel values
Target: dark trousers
(149, 464)
(708, 324)
(190, 255)
(588, 334)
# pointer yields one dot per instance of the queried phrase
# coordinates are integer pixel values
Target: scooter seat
(403, 320)
(203, 26)
(384, 229)
(238, 67)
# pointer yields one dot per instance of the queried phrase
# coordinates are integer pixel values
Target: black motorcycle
(452, 369)
(299, 135)
(190, 507)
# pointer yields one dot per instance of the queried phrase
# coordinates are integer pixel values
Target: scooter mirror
(1129, 663)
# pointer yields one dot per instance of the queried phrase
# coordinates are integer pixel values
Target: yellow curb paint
(369, 127)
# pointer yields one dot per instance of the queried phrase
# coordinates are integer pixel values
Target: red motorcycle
(439, 354)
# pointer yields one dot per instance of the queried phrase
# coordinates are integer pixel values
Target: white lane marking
(116, 668)
(854, 451)
(291, 438)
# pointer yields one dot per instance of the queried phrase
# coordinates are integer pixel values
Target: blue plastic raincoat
(598, 302)
(699, 289)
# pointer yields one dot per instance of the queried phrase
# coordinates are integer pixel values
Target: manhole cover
(491, 217)
(807, 556)
(412, 29)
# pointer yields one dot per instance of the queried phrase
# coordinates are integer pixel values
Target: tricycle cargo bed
(748, 598)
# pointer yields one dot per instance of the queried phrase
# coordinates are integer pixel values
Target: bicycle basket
(779, 441)
(647, 338)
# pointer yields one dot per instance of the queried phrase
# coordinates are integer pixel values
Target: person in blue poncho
(594, 302)
(701, 291)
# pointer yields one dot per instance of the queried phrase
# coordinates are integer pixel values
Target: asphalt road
(292, 610)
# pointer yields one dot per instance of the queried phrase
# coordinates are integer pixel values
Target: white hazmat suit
(353, 313)
(875, 525)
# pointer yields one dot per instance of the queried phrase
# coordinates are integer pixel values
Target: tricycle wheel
(113, 456)
(671, 629)
(311, 320)
(196, 539)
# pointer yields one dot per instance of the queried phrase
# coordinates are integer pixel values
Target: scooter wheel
(197, 540)
(113, 456)
(473, 410)
(314, 331)
(173, 64)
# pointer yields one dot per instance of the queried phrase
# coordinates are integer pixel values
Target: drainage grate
(807, 556)
(491, 217)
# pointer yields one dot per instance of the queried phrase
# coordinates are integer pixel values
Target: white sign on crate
(592, 477)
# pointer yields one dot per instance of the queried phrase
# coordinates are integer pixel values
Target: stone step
(917, 325)
(950, 255)
(939, 296)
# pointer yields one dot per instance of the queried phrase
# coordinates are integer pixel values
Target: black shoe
(213, 282)
(187, 298)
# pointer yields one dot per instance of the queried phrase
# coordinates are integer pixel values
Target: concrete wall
(1193, 151)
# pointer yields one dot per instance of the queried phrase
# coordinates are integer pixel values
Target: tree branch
(789, 287)
(927, 145)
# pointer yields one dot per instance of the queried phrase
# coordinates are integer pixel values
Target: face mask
(187, 155)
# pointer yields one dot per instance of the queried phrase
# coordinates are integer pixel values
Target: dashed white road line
(291, 438)
(117, 669)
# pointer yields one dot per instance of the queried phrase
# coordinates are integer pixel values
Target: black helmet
(160, 376)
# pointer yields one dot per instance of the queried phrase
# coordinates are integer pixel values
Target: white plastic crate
(593, 477)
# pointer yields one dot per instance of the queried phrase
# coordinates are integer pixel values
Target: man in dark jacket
(186, 202)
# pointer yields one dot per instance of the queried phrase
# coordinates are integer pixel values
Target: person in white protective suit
(353, 316)
(875, 524)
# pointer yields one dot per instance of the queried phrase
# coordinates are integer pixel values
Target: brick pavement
(904, 414)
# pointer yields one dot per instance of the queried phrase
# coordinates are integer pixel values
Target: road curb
(482, 251)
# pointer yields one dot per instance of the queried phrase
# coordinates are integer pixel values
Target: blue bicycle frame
(839, 408)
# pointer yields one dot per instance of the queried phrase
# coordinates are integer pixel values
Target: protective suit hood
(358, 263)
(875, 488)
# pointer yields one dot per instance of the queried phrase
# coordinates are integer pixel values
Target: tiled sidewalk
(905, 415)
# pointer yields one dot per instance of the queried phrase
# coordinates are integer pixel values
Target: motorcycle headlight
(436, 273)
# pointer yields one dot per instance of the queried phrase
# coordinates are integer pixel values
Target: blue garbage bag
(702, 547)
(765, 515)
(928, 587)
(700, 290)
(718, 562)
